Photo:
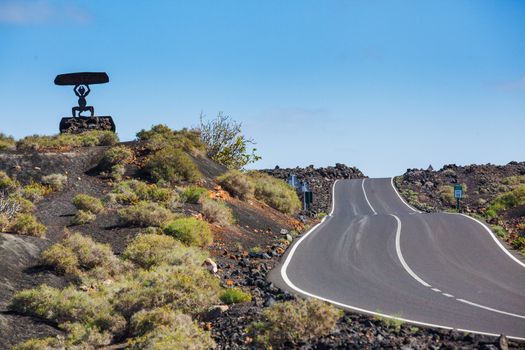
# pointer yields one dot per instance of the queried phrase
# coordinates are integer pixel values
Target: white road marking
(402, 200)
(436, 290)
(448, 295)
(333, 199)
(490, 309)
(366, 197)
(400, 255)
(286, 280)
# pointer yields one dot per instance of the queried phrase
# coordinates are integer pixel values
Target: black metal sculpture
(79, 123)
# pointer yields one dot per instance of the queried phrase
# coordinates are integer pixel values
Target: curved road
(377, 255)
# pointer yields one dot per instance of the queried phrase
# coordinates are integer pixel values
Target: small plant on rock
(237, 184)
(144, 214)
(193, 194)
(171, 165)
(234, 296)
(88, 203)
(55, 181)
(217, 212)
(27, 224)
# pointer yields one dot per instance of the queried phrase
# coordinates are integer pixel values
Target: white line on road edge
(333, 199)
(400, 255)
(366, 197)
(417, 278)
(495, 239)
(402, 200)
(358, 309)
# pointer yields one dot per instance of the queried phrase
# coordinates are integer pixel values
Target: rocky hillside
(151, 245)
(320, 181)
(495, 193)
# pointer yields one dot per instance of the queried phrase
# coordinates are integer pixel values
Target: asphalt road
(375, 254)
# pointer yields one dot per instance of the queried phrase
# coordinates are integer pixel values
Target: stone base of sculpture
(76, 125)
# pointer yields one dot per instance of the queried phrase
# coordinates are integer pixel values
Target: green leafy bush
(88, 203)
(234, 296)
(26, 224)
(163, 328)
(4, 222)
(190, 231)
(187, 288)
(499, 231)
(117, 155)
(148, 250)
(518, 243)
(6, 142)
(276, 193)
(133, 191)
(55, 181)
(446, 193)
(6, 183)
(67, 141)
(67, 305)
(217, 212)
(144, 214)
(506, 201)
(83, 217)
(171, 165)
(78, 253)
(35, 192)
(160, 136)
(295, 321)
(237, 184)
(193, 194)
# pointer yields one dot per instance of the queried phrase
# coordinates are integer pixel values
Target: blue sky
(381, 85)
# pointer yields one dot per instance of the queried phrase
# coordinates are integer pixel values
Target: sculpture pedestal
(76, 125)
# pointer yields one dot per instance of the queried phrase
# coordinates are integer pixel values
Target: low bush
(237, 184)
(193, 194)
(506, 201)
(7, 184)
(171, 165)
(499, 231)
(7, 142)
(26, 224)
(83, 217)
(190, 231)
(88, 203)
(67, 141)
(160, 136)
(35, 192)
(518, 243)
(133, 191)
(117, 155)
(144, 214)
(78, 253)
(276, 193)
(163, 328)
(217, 212)
(68, 305)
(234, 296)
(55, 181)
(148, 250)
(446, 194)
(23, 205)
(4, 222)
(186, 288)
(295, 321)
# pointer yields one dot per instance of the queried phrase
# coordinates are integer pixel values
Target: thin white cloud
(40, 11)
(512, 85)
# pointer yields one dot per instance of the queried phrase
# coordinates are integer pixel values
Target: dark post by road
(458, 193)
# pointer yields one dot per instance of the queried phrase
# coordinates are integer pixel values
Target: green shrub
(190, 231)
(518, 243)
(88, 203)
(83, 217)
(171, 165)
(67, 141)
(295, 321)
(234, 296)
(23, 205)
(276, 193)
(6, 183)
(446, 193)
(26, 224)
(117, 155)
(514, 180)
(187, 288)
(4, 222)
(148, 250)
(144, 214)
(237, 184)
(6, 142)
(163, 328)
(133, 191)
(217, 212)
(78, 253)
(41, 344)
(506, 201)
(55, 181)
(67, 305)
(35, 192)
(499, 231)
(160, 136)
(193, 194)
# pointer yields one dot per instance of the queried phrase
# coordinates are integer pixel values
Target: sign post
(458, 193)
